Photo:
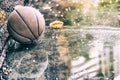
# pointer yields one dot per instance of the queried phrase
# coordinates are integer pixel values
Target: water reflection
(103, 54)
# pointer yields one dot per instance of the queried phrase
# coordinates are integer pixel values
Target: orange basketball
(25, 24)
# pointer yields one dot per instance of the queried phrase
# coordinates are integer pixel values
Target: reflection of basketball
(25, 24)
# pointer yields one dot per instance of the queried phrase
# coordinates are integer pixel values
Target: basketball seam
(38, 25)
(18, 33)
(26, 24)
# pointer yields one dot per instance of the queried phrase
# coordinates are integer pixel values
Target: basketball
(25, 24)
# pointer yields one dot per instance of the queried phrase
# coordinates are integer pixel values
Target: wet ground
(39, 61)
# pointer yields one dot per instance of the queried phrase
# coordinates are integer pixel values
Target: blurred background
(88, 44)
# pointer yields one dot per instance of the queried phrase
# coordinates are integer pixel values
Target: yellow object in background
(56, 24)
(2, 14)
(2, 17)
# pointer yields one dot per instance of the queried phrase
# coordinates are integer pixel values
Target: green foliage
(77, 45)
(75, 15)
(72, 43)
(67, 22)
(72, 14)
(100, 74)
(118, 6)
(104, 4)
(109, 6)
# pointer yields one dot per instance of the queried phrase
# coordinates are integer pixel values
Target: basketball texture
(25, 24)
